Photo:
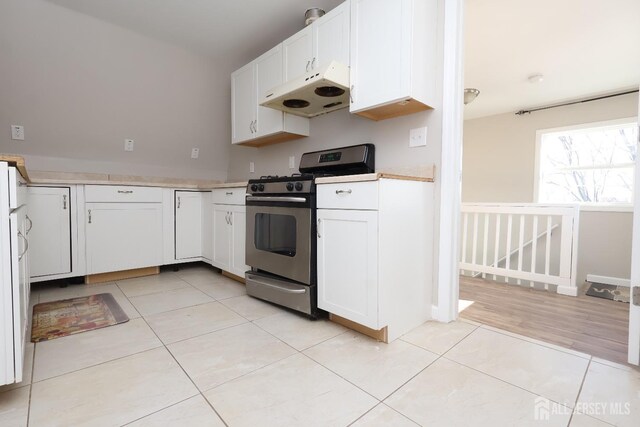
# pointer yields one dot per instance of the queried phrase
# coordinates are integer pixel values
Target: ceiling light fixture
(470, 94)
(535, 78)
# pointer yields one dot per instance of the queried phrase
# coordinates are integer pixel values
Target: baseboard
(121, 275)
(606, 280)
(380, 335)
(233, 276)
(567, 290)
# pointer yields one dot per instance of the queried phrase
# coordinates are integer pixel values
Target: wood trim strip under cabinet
(120, 275)
(380, 335)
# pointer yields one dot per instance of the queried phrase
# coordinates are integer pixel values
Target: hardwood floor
(591, 325)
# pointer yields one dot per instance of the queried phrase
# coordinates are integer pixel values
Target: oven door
(278, 240)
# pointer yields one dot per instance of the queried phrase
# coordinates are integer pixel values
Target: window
(591, 164)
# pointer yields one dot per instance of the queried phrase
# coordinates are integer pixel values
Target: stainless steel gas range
(281, 227)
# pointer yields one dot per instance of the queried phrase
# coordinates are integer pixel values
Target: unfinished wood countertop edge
(18, 162)
(371, 177)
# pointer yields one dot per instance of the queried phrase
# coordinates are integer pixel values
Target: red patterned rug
(71, 316)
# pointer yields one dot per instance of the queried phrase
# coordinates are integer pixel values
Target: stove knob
(298, 186)
(260, 187)
(289, 186)
(254, 187)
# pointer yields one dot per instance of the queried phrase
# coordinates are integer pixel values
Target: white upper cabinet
(331, 37)
(243, 103)
(325, 40)
(298, 53)
(254, 125)
(393, 57)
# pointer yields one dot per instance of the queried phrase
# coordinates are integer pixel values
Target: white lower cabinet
(375, 253)
(228, 224)
(347, 264)
(50, 235)
(15, 285)
(123, 236)
(188, 224)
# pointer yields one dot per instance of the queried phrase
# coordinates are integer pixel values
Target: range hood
(318, 92)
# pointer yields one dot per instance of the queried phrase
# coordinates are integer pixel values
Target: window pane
(588, 186)
(590, 165)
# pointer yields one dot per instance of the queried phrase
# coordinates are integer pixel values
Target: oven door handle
(280, 288)
(276, 199)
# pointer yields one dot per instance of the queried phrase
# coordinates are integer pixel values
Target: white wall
(499, 162)
(80, 86)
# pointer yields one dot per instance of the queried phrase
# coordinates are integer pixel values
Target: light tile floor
(199, 352)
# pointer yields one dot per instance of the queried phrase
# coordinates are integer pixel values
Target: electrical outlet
(418, 137)
(17, 132)
(292, 162)
(195, 152)
(128, 144)
(252, 167)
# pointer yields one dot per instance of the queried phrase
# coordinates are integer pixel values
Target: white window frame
(601, 207)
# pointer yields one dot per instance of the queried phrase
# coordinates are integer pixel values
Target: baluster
(547, 256)
(465, 225)
(508, 254)
(496, 252)
(486, 241)
(534, 246)
(474, 249)
(520, 246)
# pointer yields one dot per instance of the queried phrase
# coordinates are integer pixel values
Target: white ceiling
(583, 47)
(226, 30)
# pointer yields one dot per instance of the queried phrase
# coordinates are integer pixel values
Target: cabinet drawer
(349, 195)
(229, 196)
(122, 194)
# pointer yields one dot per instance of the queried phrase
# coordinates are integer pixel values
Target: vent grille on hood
(318, 92)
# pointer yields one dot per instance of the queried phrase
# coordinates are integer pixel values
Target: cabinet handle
(226, 217)
(313, 63)
(30, 224)
(230, 218)
(351, 93)
(251, 126)
(255, 126)
(125, 191)
(229, 193)
(308, 65)
(318, 229)
(89, 216)
(178, 207)
(64, 202)
(26, 246)
(343, 191)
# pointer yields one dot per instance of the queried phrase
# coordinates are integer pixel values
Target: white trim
(616, 281)
(634, 310)
(434, 311)
(590, 125)
(451, 162)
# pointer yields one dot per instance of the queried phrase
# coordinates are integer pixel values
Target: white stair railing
(518, 240)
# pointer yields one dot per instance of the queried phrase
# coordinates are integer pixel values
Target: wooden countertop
(81, 178)
(18, 162)
(43, 177)
(426, 175)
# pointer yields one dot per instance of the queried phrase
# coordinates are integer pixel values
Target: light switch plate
(252, 167)
(418, 137)
(17, 132)
(128, 144)
(195, 152)
(292, 162)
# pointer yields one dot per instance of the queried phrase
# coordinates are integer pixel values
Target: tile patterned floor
(199, 352)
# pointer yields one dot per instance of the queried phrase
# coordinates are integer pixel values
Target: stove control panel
(281, 187)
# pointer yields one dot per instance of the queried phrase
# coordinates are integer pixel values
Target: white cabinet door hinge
(635, 295)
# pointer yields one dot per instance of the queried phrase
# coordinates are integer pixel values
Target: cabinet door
(19, 288)
(123, 236)
(348, 264)
(243, 104)
(298, 51)
(188, 224)
(379, 52)
(50, 234)
(207, 231)
(268, 70)
(331, 37)
(221, 257)
(238, 232)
